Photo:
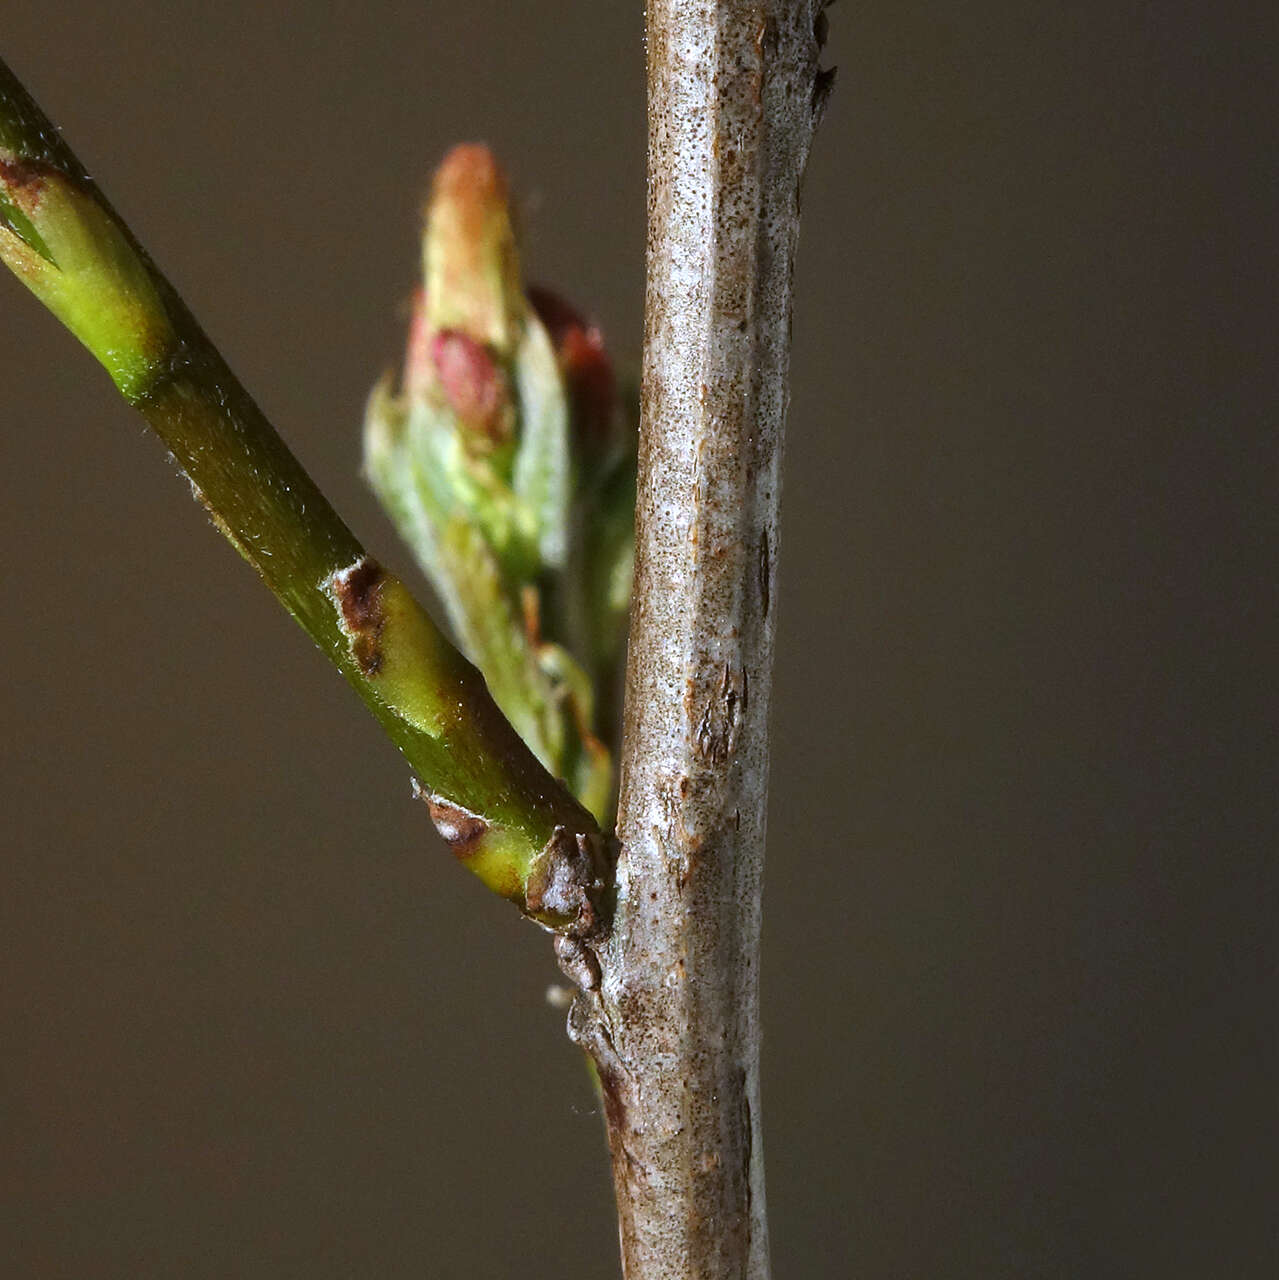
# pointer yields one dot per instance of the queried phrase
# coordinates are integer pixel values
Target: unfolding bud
(472, 266)
(71, 253)
(500, 463)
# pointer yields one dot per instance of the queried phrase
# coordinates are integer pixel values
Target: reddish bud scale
(473, 385)
(587, 369)
(452, 366)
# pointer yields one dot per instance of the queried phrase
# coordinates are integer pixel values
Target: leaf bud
(471, 263)
(69, 250)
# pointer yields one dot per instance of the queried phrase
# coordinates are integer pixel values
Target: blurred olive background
(1020, 953)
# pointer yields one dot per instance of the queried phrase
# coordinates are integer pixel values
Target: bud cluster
(503, 461)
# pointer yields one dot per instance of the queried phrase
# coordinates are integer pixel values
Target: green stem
(518, 828)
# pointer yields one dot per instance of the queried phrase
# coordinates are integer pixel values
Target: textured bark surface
(673, 1018)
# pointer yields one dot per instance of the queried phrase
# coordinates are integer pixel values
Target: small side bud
(70, 252)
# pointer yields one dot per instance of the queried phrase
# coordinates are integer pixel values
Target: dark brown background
(1020, 943)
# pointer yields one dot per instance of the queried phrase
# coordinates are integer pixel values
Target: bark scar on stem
(21, 172)
(717, 729)
(567, 880)
(578, 963)
(357, 592)
(462, 830)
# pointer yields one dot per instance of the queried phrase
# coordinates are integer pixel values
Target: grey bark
(671, 1014)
